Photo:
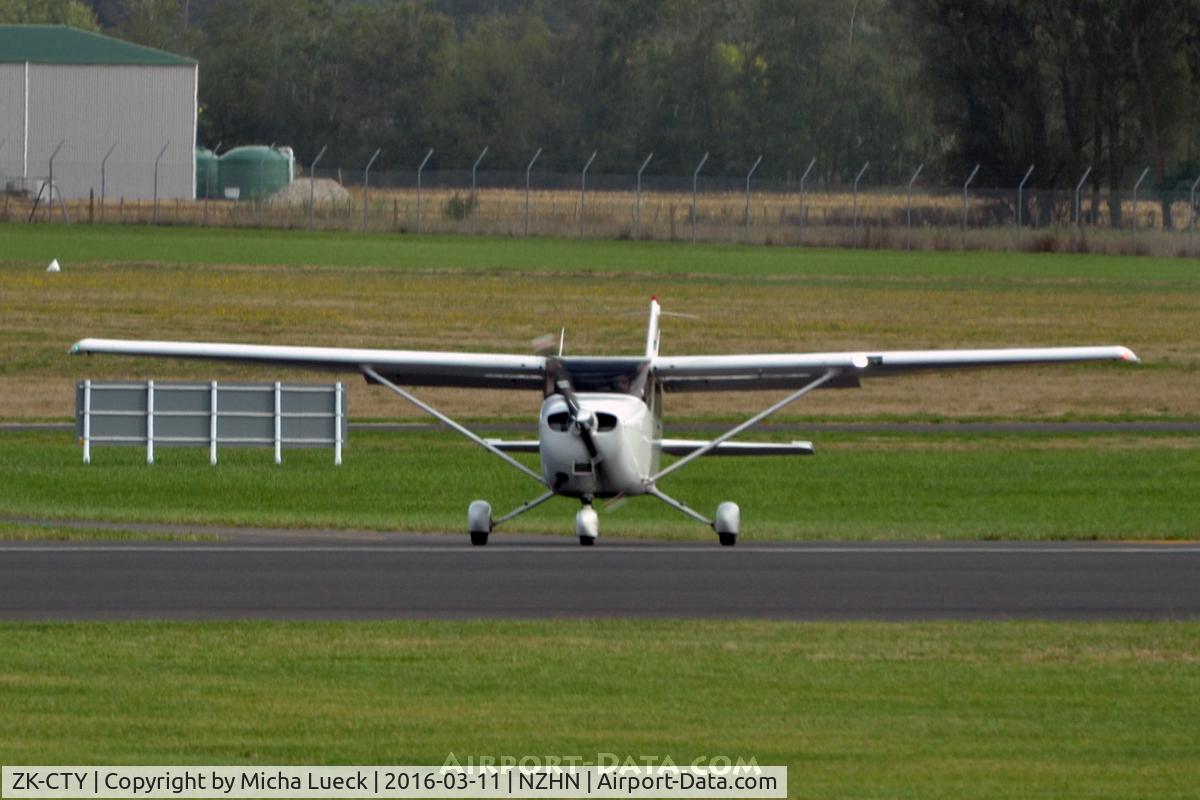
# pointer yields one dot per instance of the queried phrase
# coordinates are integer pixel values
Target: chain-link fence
(665, 208)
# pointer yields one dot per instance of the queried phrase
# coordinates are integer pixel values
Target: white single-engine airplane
(600, 428)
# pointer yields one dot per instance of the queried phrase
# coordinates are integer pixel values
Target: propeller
(583, 421)
(546, 344)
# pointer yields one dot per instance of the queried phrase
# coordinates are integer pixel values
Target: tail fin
(652, 329)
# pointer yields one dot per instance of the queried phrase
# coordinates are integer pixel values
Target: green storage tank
(206, 174)
(248, 173)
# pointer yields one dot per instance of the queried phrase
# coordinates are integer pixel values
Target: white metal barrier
(154, 414)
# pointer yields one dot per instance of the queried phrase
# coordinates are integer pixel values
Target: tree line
(1061, 84)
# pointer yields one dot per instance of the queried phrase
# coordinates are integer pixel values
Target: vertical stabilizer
(652, 329)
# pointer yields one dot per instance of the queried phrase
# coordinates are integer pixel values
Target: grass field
(1001, 710)
(37, 244)
(989, 710)
(857, 487)
(498, 294)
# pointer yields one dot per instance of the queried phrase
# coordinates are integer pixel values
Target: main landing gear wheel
(587, 525)
(479, 522)
(728, 523)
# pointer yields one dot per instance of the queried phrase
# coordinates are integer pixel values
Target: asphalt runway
(362, 575)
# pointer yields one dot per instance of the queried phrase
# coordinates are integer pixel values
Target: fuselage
(627, 433)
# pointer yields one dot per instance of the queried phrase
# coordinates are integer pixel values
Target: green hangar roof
(61, 44)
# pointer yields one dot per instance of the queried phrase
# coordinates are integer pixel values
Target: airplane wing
(793, 370)
(405, 367)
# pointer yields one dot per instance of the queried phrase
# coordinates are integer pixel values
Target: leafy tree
(48, 12)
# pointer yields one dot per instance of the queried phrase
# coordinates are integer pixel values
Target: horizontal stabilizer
(514, 446)
(682, 447)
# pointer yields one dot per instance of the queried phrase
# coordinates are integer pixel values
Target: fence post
(695, 178)
(50, 194)
(803, 207)
(1020, 204)
(87, 421)
(212, 423)
(278, 423)
(149, 422)
(1133, 215)
(367, 184)
(337, 424)
(312, 186)
(473, 203)
(583, 191)
(637, 209)
(156, 160)
(966, 183)
(1192, 227)
(260, 197)
(1078, 202)
(528, 170)
(857, 178)
(420, 169)
(104, 180)
(746, 235)
(207, 186)
(911, 181)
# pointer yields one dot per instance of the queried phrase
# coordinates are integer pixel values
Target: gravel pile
(326, 191)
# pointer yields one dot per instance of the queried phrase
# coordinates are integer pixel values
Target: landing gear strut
(480, 522)
(727, 522)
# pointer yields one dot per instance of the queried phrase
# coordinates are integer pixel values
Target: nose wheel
(587, 524)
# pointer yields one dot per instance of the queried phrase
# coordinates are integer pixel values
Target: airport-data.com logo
(712, 764)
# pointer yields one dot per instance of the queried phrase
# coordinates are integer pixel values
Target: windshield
(615, 375)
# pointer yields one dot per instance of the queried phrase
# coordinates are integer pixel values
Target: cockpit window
(615, 375)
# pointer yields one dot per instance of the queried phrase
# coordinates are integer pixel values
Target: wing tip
(1129, 356)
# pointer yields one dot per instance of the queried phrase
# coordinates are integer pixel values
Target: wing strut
(433, 412)
(828, 375)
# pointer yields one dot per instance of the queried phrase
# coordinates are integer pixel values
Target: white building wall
(12, 120)
(140, 108)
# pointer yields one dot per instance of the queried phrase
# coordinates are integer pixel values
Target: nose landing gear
(587, 524)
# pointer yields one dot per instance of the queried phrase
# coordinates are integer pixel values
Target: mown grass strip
(987, 710)
(856, 487)
(38, 532)
(80, 243)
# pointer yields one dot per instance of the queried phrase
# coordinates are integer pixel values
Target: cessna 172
(600, 427)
